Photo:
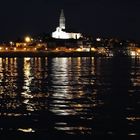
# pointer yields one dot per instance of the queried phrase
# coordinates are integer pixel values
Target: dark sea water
(79, 96)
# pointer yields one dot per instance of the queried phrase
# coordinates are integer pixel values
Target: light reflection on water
(94, 96)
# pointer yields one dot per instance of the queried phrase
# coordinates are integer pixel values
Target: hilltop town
(69, 43)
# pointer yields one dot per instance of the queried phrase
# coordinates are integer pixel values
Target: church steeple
(62, 34)
(62, 20)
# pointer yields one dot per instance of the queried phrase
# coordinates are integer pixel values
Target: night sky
(105, 18)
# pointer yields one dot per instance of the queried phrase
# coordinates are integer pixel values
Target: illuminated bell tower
(62, 20)
(60, 33)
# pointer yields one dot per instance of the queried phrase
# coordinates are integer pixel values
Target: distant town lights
(79, 49)
(93, 49)
(11, 43)
(27, 39)
(138, 50)
(98, 39)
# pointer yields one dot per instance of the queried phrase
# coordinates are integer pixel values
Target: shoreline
(57, 54)
(46, 54)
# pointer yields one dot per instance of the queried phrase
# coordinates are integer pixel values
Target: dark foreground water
(45, 97)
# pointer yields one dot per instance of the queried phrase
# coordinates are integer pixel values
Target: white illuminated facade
(60, 32)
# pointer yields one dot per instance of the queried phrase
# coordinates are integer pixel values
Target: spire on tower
(62, 20)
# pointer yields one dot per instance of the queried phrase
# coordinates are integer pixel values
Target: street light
(27, 39)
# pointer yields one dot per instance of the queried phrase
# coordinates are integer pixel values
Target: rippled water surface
(71, 96)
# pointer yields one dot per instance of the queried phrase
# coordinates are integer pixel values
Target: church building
(60, 32)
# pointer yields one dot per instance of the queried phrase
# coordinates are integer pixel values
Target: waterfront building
(61, 33)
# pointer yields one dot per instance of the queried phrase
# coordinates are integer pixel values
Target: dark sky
(106, 18)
